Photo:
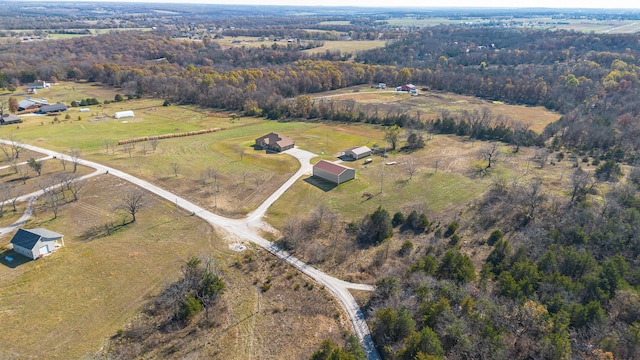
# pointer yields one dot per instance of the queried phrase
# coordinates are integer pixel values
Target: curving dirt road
(247, 229)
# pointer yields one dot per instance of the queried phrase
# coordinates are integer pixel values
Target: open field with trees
(497, 218)
(94, 286)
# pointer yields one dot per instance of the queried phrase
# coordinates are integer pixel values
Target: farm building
(124, 114)
(274, 142)
(333, 172)
(407, 88)
(36, 243)
(30, 104)
(358, 152)
(38, 84)
(7, 119)
(46, 109)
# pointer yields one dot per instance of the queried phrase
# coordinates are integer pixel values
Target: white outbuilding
(35, 243)
(124, 114)
(358, 152)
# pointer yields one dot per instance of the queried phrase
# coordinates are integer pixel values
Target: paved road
(247, 229)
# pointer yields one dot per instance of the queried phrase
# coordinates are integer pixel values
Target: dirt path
(247, 229)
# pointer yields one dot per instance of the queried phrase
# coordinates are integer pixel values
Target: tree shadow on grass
(99, 231)
(320, 183)
(17, 259)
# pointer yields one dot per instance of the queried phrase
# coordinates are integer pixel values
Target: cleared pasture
(430, 105)
(81, 295)
(347, 46)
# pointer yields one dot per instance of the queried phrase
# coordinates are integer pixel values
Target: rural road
(247, 229)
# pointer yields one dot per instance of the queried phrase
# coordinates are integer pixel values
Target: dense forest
(563, 277)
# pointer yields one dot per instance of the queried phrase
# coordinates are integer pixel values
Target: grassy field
(585, 25)
(344, 46)
(226, 160)
(347, 47)
(431, 103)
(87, 290)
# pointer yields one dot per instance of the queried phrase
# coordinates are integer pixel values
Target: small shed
(358, 152)
(124, 114)
(336, 173)
(36, 243)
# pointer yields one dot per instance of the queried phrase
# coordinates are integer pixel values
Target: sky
(610, 4)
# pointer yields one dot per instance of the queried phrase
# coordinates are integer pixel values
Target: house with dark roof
(275, 142)
(7, 119)
(36, 243)
(46, 109)
(29, 104)
(336, 173)
(357, 152)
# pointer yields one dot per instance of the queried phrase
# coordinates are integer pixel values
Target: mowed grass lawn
(453, 185)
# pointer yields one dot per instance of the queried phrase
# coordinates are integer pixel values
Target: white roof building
(123, 114)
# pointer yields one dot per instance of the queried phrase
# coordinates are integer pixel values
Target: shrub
(189, 308)
(451, 229)
(495, 236)
(398, 219)
(406, 248)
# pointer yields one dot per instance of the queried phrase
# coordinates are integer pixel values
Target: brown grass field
(87, 290)
(431, 103)
(344, 46)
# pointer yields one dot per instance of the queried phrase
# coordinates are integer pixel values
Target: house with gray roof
(36, 243)
(46, 109)
(357, 152)
(7, 119)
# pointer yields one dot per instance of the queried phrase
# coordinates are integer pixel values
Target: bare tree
(154, 143)
(541, 156)
(72, 183)
(75, 158)
(23, 173)
(144, 149)
(581, 184)
(10, 195)
(412, 167)
(490, 153)
(15, 146)
(436, 164)
(132, 202)
(6, 149)
(534, 196)
(13, 163)
(520, 132)
(109, 143)
(63, 162)
(244, 174)
(128, 148)
(52, 197)
(75, 186)
(174, 168)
